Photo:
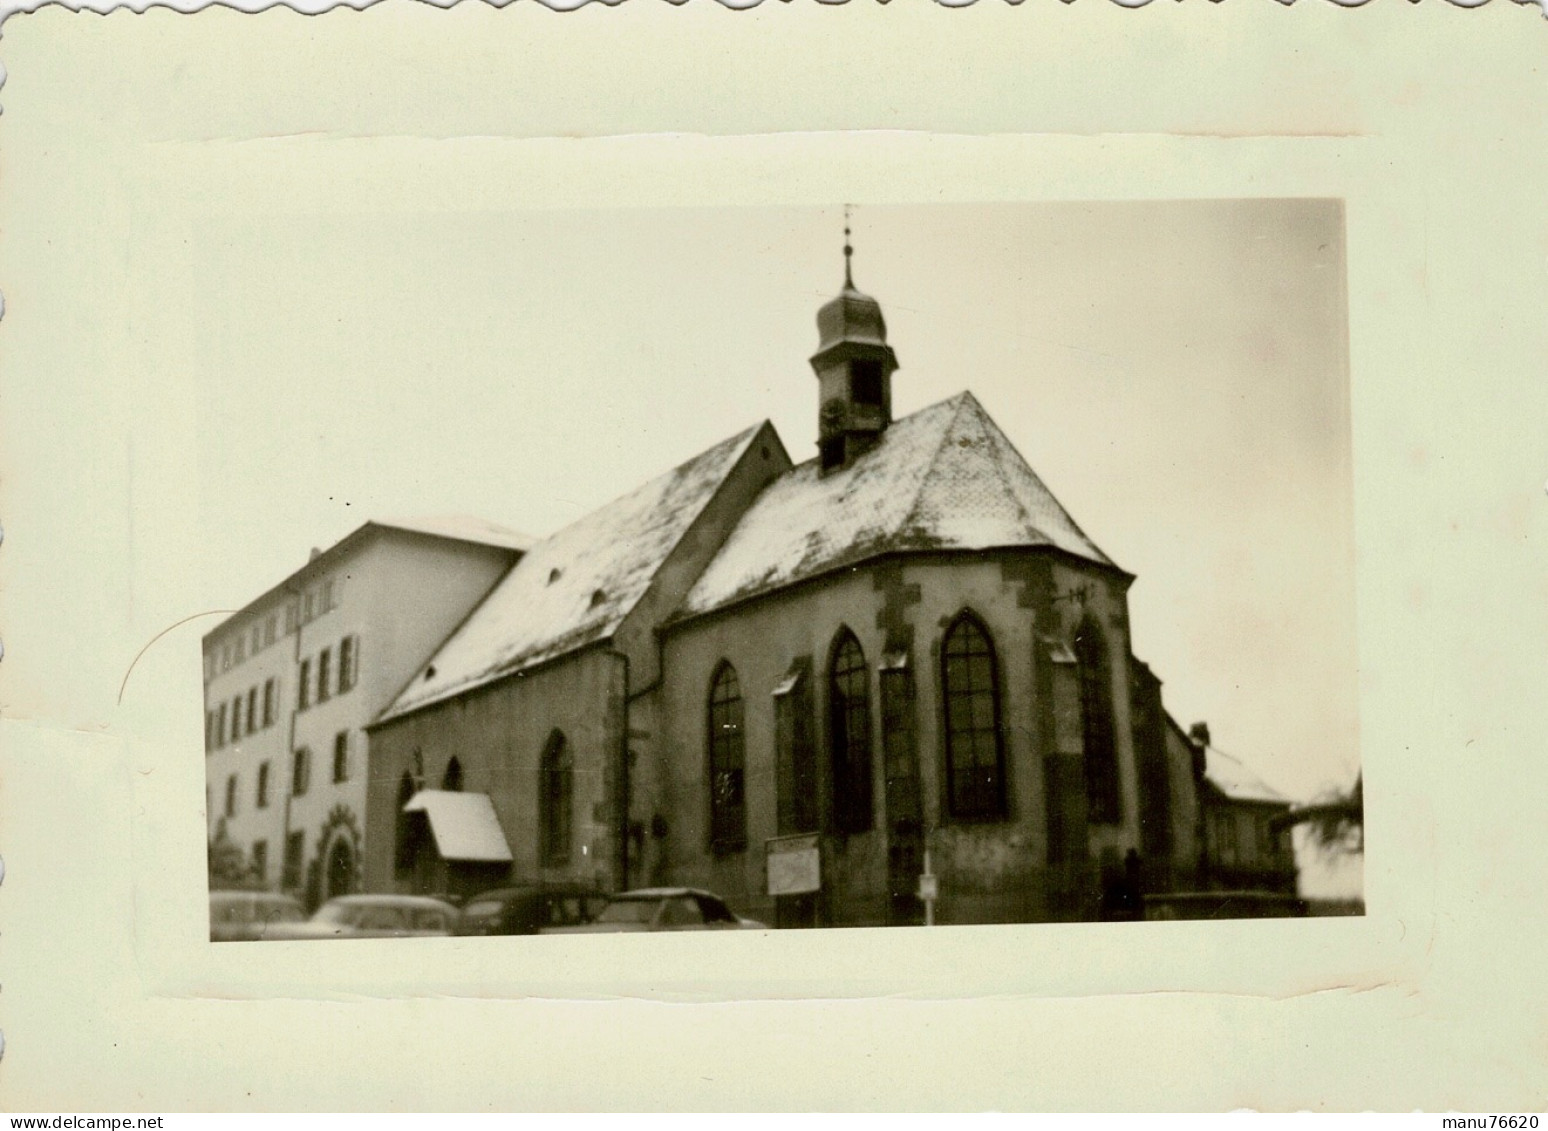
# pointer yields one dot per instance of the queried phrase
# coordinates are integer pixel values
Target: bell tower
(854, 367)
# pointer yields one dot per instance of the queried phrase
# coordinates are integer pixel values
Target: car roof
(535, 889)
(664, 893)
(237, 896)
(386, 899)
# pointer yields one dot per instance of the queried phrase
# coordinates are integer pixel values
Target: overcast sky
(1175, 372)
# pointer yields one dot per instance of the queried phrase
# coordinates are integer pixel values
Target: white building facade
(291, 681)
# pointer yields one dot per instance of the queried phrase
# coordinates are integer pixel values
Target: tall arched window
(1096, 709)
(849, 734)
(556, 786)
(727, 762)
(975, 761)
(451, 780)
(403, 840)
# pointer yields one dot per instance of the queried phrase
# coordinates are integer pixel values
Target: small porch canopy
(464, 825)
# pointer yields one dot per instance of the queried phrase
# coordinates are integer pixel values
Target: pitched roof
(576, 586)
(1232, 777)
(464, 528)
(944, 478)
(455, 528)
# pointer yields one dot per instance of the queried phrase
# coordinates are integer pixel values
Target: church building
(800, 686)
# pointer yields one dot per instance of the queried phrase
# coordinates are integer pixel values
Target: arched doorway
(339, 878)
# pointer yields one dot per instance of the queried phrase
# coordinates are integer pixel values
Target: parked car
(529, 910)
(373, 917)
(665, 909)
(246, 916)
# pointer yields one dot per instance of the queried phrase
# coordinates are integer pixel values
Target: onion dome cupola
(854, 367)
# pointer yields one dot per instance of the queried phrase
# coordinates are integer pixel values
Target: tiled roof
(944, 478)
(1232, 777)
(574, 587)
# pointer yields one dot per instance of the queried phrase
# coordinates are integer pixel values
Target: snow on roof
(574, 587)
(1232, 777)
(466, 528)
(464, 825)
(945, 477)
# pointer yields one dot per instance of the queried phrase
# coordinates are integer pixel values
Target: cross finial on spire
(849, 252)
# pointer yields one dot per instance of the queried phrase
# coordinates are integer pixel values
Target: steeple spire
(854, 366)
(849, 252)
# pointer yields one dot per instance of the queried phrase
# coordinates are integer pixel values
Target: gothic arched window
(556, 784)
(975, 762)
(727, 762)
(451, 780)
(1103, 804)
(849, 734)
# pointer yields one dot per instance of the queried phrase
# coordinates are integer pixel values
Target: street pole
(928, 887)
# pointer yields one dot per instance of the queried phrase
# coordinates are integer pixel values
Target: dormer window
(865, 382)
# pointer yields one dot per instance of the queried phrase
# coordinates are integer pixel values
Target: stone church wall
(498, 734)
(993, 871)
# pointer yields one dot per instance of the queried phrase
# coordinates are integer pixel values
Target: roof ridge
(745, 435)
(496, 638)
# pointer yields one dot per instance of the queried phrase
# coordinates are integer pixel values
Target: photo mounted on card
(724, 580)
(847, 659)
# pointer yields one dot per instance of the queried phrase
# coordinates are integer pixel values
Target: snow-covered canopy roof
(1233, 778)
(944, 478)
(465, 825)
(574, 587)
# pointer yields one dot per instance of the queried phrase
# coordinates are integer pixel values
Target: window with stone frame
(231, 793)
(301, 772)
(1103, 800)
(324, 674)
(270, 694)
(556, 787)
(975, 755)
(295, 853)
(349, 662)
(341, 756)
(304, 686)
(849, 735)
(727, 762)
(262, 799)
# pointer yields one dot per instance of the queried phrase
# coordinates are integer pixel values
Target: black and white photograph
(824, 557)
(678, 581)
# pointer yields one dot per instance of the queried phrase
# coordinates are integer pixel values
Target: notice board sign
(794, 864)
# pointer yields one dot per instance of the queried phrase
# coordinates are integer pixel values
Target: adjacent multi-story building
(1246, 841)
(292, 679)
